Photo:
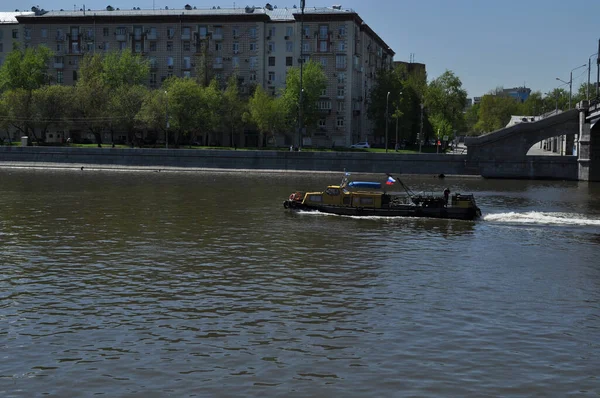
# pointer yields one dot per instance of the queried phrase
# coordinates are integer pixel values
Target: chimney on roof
(269, 7)
(188, 7)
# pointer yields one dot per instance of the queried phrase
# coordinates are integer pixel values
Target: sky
(486, 43)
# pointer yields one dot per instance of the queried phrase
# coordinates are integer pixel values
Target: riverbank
(194, 160)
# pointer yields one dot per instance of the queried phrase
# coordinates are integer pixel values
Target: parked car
(360, 145)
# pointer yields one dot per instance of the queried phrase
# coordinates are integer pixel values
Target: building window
(341, 106)
(152, 78)
(74, 75)
(340, 92)
(306, 32)
(289, 46)
(271, 77)
(169, 46)
(253, 47)
(271, 47)
(170, 62)
(235, 62)
(187, 74)
(271, 32)
(323, 61)
(289, 32)
(170, 32)
(186, 63)
(253, 62)
(15, 33)
(340, 61)
(235, 31)
(185, 33)
(187, 45)
(235, 47)
(341, 77)
(322, 123)
(59, 76)
(342, 30)
(323, 32)
(341, 45)
(252, 33)
(340, 122)
(324, 92)
(152, 46)
(289, 61)
(203, 30)
(271, 61)
(105, 32)
(138, 47)
(305, 47)
(324, 105)
(219, 46)
(44, 33)
(252, 77)
(122, 45)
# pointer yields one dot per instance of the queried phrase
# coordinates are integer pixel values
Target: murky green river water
(153, 284)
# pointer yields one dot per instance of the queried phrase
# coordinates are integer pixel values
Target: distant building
(476, 100)
(519, 93)
(412, 67)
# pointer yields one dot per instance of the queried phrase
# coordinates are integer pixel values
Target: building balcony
(59, 65)
(122, 37)
(185, 36)
(218, 66)
(217, 36)
(151, 36)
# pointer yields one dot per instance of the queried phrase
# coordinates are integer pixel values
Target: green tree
(533, 105)
(314, 82)
(445, 98)
(557, 99)
(471, 119)
(495, 112)
(267, 113)
(234, 108)
(19, 111)
(378, 102)
(92, 98)
(122, 68)
(123, 107)
(51, 106)
(153, 112)
(26, 69)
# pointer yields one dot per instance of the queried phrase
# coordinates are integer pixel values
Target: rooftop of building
(273, 12)
(11, 17)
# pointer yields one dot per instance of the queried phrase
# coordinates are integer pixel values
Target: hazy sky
(487, 43)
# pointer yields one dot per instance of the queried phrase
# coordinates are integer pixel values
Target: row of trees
(421, 110)
(496, 108)
(109, 96)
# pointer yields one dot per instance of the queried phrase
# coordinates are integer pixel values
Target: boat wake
(541, 218)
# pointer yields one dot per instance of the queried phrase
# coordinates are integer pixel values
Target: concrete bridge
(503, 153)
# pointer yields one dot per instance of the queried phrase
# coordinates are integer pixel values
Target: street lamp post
(387, 101)
(300, 116)
(397, 110)
(166, 120)
(570, 82)
(587, 89)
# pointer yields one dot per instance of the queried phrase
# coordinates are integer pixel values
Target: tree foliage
(446, 99)
(25, 69)
(267, 113)
(314, 82)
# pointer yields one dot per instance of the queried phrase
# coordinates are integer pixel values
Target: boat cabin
(336, 195)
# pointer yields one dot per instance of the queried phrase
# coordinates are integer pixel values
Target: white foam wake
(534, 217)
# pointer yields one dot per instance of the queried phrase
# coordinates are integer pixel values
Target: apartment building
(10, 32)
(259, 44)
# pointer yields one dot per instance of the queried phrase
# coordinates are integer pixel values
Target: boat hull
(456, 213)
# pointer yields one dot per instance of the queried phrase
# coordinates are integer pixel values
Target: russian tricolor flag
(390, 181)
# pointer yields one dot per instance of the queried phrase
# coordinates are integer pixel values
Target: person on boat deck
(446, 194)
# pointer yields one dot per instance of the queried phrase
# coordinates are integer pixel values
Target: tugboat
(359, 198)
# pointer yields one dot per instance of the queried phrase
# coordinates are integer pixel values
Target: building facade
(258, 44)
(10, 32)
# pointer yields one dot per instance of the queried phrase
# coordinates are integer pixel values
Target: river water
(153, 284)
